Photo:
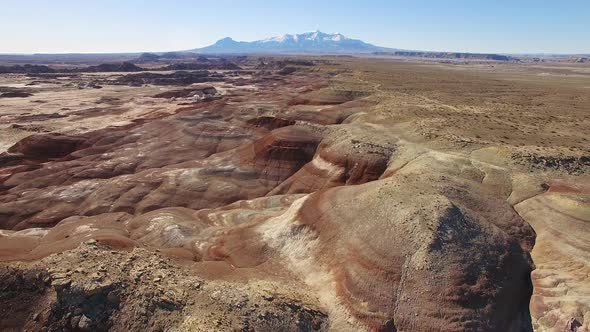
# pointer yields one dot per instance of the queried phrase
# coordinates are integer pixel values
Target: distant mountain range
(315, 42)
(309, 42)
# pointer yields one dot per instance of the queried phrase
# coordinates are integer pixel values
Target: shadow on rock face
(47, 146)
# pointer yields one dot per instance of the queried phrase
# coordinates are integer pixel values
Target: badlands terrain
(295, 194)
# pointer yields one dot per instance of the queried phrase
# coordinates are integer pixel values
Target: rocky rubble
(575, 165)
(94, 288)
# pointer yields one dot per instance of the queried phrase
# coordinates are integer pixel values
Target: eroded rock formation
(282, 205)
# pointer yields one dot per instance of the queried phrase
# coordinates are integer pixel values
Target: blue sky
(502, 26)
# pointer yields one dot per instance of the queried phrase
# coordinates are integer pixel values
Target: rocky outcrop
(449, 55)
(26, 69)
(188, 93)
(147, 58)
(204, 65)
(388, 280)
(113, 67)
(560, 217)
(106, 290)
(177, 78)
(341, 159)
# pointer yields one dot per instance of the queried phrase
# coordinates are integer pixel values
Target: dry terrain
(316, 194)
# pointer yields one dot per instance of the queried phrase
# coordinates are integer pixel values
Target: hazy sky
(555, 26)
